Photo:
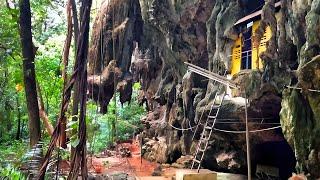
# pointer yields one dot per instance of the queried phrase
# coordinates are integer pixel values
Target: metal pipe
(206, 75)
(209, 72)
(213, 77)
(247, 139)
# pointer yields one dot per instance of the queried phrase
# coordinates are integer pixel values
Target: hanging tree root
(80, 75)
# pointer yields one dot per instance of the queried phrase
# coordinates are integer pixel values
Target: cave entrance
(274, 156)
(271, 155)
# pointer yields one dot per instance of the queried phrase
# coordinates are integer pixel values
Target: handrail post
(247, 138)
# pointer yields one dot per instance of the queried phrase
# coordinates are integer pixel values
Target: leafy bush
(12, 153)
(127, 120)
(11, 173)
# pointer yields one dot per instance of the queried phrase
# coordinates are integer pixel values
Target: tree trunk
(63, 135)
(19, 118)
(42, 113)
(75, 22)
(28, 53)
(79, 157)
(46, 121)
(76, 99)
(114, 121)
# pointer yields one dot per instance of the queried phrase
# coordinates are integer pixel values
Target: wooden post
(247, 139)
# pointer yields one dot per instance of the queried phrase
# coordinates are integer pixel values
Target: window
(246, 60)
(246, 56)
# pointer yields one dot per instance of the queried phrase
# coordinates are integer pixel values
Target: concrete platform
(153, 178)
(205, 174)
(228, 176)
(188, 174)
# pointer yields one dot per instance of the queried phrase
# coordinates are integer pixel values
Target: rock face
(163, 34)
(301, 119)
(117, 25)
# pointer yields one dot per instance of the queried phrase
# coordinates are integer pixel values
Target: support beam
(211, 75)
(247, 140)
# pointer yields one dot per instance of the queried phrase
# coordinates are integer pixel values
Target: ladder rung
(201, 150)
(204, 140)
(196, 160)
(215, 106)
(212, 117)
(208, 127)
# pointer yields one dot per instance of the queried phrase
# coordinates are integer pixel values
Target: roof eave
(253, 15)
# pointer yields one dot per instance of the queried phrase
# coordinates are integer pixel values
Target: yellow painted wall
(237, 50)
(236, 56)
(256, 61)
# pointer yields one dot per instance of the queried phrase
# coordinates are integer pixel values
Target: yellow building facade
(253, 58)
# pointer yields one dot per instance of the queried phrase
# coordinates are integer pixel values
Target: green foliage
(9, 52)
(11, 173)
(127, 120)
(48, 27)
(99, 127)
(72, 129)
(49, 35)
(11, 153)
(49, 30)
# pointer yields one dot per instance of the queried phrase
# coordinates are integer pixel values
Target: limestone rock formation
(300, 118)
(117, 26)
(162, 35)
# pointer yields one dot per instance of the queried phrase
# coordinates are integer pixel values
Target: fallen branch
(42, 113)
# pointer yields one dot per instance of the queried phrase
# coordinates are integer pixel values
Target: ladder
(207, 129)
(198, 122)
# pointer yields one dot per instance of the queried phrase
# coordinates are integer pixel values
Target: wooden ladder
(207, 129)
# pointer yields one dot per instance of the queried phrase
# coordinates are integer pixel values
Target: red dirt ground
(134, 166)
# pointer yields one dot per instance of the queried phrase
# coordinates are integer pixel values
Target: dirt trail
(134, 165)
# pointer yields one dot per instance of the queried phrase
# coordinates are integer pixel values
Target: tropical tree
(29, 76)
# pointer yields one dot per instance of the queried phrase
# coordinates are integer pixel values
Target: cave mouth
(174, 156)
(274, 155)
(271, 154)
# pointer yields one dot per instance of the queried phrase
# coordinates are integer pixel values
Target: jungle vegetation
(32, 82)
